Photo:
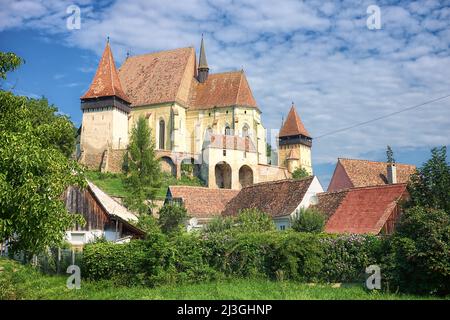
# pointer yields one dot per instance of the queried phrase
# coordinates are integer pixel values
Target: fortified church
(209, 120)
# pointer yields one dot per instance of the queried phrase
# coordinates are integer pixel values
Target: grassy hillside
(112, 184)
(23, 282)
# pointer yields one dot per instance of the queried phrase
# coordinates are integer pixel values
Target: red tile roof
(203, 202)
(293, 125)
(360, 210)
(370, 173)
(222, 141)
(106, 81)
(222, 90)
(277, 198)
(156, 77)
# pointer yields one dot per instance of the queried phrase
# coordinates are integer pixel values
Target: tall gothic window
(162, 134)
(245, 131)
(227, 130)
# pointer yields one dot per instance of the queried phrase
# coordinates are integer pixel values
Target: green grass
(20, 282)
(112, 184)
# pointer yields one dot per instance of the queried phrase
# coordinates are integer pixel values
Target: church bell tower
(294, 144)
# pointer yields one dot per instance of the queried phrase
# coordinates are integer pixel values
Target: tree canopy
(300, 173)
(430, 186)
(35, 142)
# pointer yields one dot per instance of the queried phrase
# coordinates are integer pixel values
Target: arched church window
(162, 134)
(227, 130)
(245, 129)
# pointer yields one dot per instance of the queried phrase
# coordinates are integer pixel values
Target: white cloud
(319, 55)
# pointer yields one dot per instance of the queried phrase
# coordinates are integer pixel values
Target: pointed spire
(202, 63)
(203, 69)
(106, 81)
(293, 125)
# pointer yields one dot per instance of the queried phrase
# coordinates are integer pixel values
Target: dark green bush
(418, 255)
(204, 257)
(309, 220)
(122, 262)
(297, 256)
(172, 218)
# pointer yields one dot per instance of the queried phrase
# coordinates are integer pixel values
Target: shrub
(254, 220)
(347, 256)
(148, 224)
(219, 224)
(418, 259)
(190, 259)
(172, 218)
(300, 173)
(265, 254)
(112, 261)
(309, 220)
(298, 256)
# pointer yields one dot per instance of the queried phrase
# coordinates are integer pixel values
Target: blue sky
(319, 54)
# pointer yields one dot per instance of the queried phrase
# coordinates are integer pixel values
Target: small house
(104, 216)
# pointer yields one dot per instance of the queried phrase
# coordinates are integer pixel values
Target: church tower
(105, 108)
(294, 144)
(203, 69)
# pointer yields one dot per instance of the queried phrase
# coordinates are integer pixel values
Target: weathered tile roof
(169, 76)
(360, 210)
(293, 125)
(106, 81)
(155, 77)
(328, 202)
(277, 198)
(201, 202)
(221, 90)
(222, 141)
(371, 173)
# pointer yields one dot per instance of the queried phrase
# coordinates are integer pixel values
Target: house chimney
(391, 173)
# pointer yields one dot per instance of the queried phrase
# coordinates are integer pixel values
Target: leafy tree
(300, 173)
(309, 220)
(254, 220)
(390, 155)
(219, 224)
(430, 186)
(9, 62)
(418, 259)
(268, 150)
(172, 218)
(148, 224)
(34, 171)
(142, 169)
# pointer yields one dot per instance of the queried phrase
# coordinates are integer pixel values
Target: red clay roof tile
(155, 77)
(361, 210)
(293, 125)
(276, 198)
(106, 81)
(203, 202)
(222, 90)
(371, 173)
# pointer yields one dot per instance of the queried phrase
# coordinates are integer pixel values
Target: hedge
(193, 257)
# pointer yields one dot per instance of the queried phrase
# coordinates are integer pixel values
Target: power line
(382, 117)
